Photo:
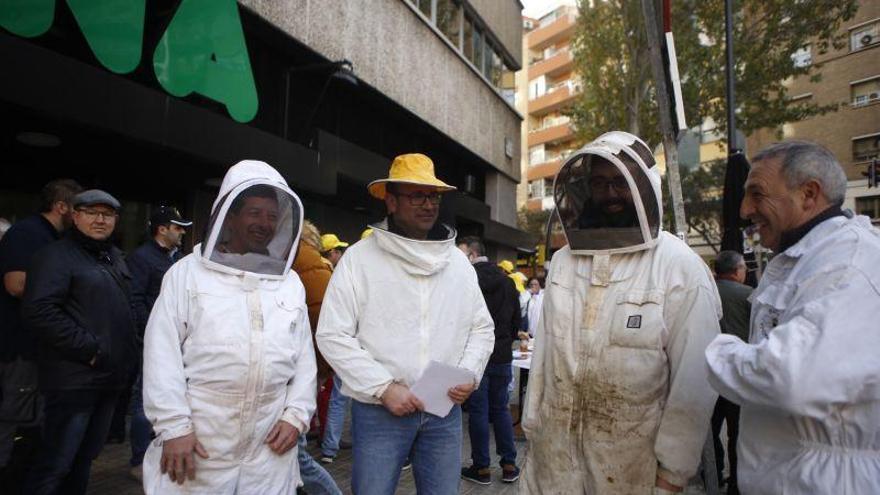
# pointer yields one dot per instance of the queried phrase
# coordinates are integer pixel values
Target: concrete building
(851, 77)
(155, 105)
(551, 87)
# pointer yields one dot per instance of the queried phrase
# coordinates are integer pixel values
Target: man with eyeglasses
(397, 300)
(148, 264)
(77, 304)
(618, 400)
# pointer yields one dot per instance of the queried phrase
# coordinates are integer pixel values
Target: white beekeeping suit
(228, 349)
(808, 380)
(617, 393)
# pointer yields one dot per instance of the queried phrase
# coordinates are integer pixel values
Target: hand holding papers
(433, 386)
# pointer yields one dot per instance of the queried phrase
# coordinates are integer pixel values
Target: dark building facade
(154, 105)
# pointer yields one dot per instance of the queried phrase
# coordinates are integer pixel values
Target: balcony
(556, 98)
(559, 63)
(551, 134)
(545, 169)
(560, 29)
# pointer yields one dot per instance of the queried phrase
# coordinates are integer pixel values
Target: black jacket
(147, 265)
(502, 300)
(76, 303)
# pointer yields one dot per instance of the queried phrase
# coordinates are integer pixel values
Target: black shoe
(406, 465)
(509, 473)
(344, 445)
(476, 475)
(327, 459)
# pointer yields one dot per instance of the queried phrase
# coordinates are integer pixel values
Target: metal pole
(670, 145)
(732, 146)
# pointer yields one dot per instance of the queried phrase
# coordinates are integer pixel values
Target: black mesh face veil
(606, 198)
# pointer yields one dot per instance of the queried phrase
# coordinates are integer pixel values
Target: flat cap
(93, 197)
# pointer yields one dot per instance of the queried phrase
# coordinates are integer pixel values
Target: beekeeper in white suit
(229, 367)
(618, 400)
(808, 380)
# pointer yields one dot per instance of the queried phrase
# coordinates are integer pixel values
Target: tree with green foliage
(533, 221)
(611, 58)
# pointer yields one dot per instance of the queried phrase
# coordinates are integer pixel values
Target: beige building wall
(840, 70)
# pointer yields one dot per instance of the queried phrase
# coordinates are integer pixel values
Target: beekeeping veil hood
(608, 196)
(255, 223)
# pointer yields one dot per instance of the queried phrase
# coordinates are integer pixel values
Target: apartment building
(850, 77)
(551, 86)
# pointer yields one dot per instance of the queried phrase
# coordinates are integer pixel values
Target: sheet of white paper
(433, 386)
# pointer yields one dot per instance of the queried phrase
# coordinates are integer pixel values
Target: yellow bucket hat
(413, 168)
(330, 241)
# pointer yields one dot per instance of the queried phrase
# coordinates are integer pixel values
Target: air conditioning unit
(874, 96)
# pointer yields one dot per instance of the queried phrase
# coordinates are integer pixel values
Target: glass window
(864, 36)
(548, 188)
(488, 52)
(424, 6)
(449, 20)
(497, 70)
(865, 92)
(468, 39)
(866, 148)
(478, 49)
(868, 206)
(536, 154)
(803, 57)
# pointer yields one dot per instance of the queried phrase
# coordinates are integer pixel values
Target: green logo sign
(202, 51)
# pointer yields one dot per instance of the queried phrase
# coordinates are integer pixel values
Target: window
(449, 20)
(536, 154)
(866, 147)
(467, 44)
(865, 92)
(868, 206)
(478, 49)
(803, 57)
(864, 36)
(537, 87)
(536, 188)
(548, 187)
(424, 6)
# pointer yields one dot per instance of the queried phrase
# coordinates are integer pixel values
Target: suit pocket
(638, 320)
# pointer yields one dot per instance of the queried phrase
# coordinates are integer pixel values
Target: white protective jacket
(393, 305)
(227, 353)
(809, 380)
(618, 392)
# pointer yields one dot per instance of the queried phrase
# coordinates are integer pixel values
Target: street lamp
(341, 70)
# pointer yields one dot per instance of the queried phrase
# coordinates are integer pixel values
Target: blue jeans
(316, 480)
(489, 404)
(75, 428)
(335, 420)
(382, 442)
(141, 431)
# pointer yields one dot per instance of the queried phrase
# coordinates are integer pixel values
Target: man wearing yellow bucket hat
(399, 299)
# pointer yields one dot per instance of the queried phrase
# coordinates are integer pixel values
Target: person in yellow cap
(332, 248)
(399, 299)
(519, 280)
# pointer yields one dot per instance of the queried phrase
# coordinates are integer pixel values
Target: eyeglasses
(107, 215)
(619, 184)
(418, 199)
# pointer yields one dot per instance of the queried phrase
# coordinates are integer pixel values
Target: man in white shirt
(397, 300)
